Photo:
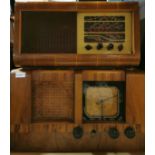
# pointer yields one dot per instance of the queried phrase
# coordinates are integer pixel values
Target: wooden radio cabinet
(58, 102)
(83, 110)
(77, 34)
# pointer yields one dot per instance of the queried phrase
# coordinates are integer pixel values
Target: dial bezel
(120, 85)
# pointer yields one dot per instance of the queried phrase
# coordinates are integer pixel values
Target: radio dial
(110, 46)
(99, 46)
(88, 47)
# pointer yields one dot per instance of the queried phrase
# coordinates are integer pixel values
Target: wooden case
(51, 34)
(47, 112)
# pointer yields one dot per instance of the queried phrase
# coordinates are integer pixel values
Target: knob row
(100, 46)
(129, 133)
(112, 132)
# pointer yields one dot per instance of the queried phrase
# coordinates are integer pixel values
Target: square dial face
(103, 101)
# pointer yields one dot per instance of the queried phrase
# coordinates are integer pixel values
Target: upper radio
(77, 34)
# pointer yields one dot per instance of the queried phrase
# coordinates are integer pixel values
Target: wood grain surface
(57, 136)
(20, 98)
(135, 98)
(77, 59)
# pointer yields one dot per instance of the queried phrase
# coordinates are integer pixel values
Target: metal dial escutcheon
(78, 132)
(130, 132)
(113, 133)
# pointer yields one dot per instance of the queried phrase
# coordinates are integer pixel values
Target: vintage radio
(77, 34)
(84, 110)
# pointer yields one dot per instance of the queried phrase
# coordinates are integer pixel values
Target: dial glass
(103, 101)
(104, 29)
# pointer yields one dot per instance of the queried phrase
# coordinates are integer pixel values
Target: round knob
(88, 47)
(110, 46)
(99, 46)
(120, 47)
(77, 132)
(113, 133)
(129, 132)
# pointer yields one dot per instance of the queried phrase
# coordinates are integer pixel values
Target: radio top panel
(77, 34)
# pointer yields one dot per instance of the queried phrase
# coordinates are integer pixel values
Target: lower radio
(67, 110)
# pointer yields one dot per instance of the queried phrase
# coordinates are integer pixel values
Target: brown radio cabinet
(68, 111)
(77, 34)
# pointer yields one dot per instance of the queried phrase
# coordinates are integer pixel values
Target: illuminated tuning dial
(88, 47)
(110, 46)
(99, 46)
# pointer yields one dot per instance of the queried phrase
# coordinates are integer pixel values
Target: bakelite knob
(120, 47)
(88, 47)
(113, 133)
(77, 132)
(130, 132)
(110, 46)
(99, 46)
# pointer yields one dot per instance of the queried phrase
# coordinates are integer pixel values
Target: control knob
(88, 47)
(110, 46)
(113, 133)
(99, 46)
(120, 47)
(78, 132)
(129, 132)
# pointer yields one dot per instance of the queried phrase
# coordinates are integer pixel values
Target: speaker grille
(48, 32)
(52, 94)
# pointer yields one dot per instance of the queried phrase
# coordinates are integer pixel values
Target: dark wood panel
(57, 136)
(70, 6)
(101, 75)
(20, 97)
(73, 60)
(78, 98)
(135, 98)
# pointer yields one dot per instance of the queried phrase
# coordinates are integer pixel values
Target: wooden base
(57, 136)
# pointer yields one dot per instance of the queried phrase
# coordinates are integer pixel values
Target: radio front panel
(104, 33)
(80, 110)
(76, 34)
(97, 33)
